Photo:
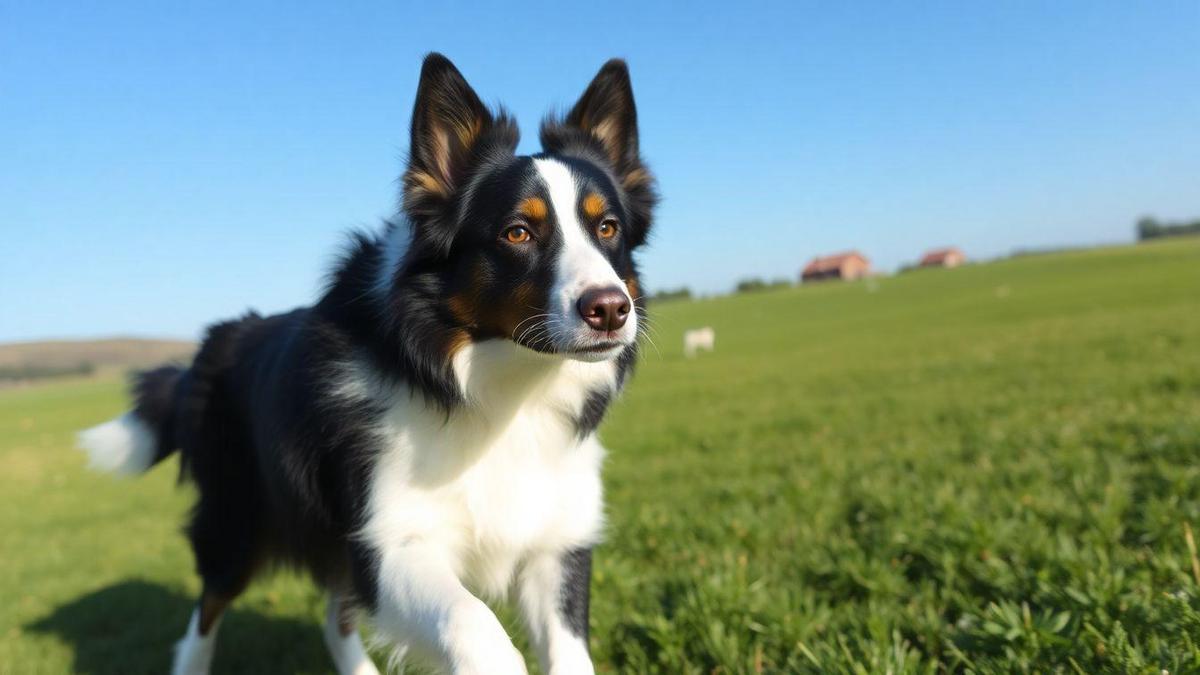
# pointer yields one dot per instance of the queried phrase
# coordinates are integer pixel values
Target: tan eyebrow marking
(533, 208)
(594, 205)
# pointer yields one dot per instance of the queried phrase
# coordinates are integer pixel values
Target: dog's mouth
(599, 348)
(602, 346)
(595, 351)
(584, 348)
(567, 334)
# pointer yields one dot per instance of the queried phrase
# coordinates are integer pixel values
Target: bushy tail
(144, 436)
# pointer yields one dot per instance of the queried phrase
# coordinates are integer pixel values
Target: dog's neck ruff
(508, 392)
(499, 375)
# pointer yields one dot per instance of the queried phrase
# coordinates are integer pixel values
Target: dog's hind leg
(224, 535)
(194, 653)
(342, 639)
(226, 572)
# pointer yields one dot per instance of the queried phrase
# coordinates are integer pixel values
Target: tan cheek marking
(594, 205)
(632, 285)
(465, 306)
(523, 293)
(462, 309)
(458, 339)
(533, 208)
(516, 310)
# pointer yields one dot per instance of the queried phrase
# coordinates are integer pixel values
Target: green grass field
(988, 469)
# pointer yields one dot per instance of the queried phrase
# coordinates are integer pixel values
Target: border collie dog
(424, 434)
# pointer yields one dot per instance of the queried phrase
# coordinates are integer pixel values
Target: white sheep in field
(699, 339)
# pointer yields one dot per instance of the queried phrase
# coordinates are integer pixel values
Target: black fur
(155, 400)
(594, 407)
(576, 590)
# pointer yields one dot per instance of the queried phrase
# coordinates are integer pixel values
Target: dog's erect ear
(452, 131)
(605, 118)
(606, 111)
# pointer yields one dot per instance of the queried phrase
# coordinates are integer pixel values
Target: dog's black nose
(604, 308)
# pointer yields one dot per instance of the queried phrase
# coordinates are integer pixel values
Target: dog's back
(228, 413)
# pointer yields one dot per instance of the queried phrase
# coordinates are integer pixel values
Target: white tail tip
(125, 445)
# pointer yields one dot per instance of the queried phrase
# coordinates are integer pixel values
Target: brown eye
(607, 229)
(517, 235)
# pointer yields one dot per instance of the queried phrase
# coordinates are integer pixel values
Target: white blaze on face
(580, 264)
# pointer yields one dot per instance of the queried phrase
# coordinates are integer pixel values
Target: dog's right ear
(452, 131)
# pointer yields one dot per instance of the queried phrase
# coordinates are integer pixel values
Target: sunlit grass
(988, 468)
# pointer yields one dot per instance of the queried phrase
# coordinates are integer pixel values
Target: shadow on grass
(131, 628)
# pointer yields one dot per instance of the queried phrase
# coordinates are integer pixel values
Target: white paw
(570, 657)
(477, 644)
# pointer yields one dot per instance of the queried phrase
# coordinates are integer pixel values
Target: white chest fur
(505, 476)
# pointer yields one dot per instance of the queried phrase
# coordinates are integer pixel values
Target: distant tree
(750, 285)
(757, 284)
(1045, 250)
(1149, 228)
(25, 373)
(681, 293)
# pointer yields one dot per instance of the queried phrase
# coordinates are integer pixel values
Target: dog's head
(533, 249)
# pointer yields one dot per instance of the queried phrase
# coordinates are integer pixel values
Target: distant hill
(25, 361)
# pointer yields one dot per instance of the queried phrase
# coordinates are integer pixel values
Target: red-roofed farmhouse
(846, 266)
(943, 257)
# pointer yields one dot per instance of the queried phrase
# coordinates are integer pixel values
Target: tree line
(1150, 228)
(24, 373)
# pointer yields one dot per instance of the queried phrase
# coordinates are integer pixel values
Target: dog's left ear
(605, 118)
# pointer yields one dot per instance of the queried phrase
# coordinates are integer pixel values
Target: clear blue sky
(164, 167)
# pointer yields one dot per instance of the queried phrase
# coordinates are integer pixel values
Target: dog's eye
(607, 229)
(517, 235)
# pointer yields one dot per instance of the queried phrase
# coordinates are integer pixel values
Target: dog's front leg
(553, 592)
(422, 605)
